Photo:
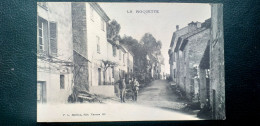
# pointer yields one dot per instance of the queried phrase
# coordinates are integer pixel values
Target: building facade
(54, 52)
(211, 68)
(197, 61)
(186, 50)
(104, 61)
(217, 70)
(90, 42)
(173, 54)
(190, 50)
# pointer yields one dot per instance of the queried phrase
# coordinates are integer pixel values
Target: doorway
(214, 103)
(208, 88)
(41, 92)
(99, 76)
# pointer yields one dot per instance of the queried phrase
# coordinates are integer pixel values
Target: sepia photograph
(130, 61)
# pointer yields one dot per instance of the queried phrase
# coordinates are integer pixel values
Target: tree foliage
(108, 63)
(113, 29)
(147, 46)
(151, 45)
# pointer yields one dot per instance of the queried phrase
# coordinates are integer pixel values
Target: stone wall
(79, 28)
(189, 57)
(217, 76)
(81, 75)
(196, 48)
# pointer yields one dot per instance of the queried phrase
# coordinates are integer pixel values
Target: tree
(131, 43)
(113, 29)
(159, 45)
(108, 63)
(151, 45)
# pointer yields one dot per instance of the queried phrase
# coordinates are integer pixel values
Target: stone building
(211, 68)
(123, 60)
(90, 45)
(172, 53)
(186, 54)
(197, 61)
(54, 52)
(102, 61)
(217, 70)
(191, 51)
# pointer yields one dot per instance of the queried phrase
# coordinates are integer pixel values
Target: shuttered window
(119, 55)
(98, 45)
(53, 38)
(114, 51)
(123, 58)
(40, 36)
(113, 72)
(62, 82)
(43, 40)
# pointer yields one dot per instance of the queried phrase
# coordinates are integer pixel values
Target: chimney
(177, 27)
(192, 26)
(198, 24)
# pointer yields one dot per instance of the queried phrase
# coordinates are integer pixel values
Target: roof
(178, 33)
(127, 49)
(187, 36)
(123, 48)
(100, 11)
(184, 33)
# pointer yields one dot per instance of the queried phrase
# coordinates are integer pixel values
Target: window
(53, 38)
(40, 36)
(123, 58)
(113, 72)
(119, 55)
(174, 73)
(119, 73)
(102, 24)
(98, 45)
(99, 76)
(41, 92)
(62, 81)
(47, 37)
(114, 51)
(91, 13)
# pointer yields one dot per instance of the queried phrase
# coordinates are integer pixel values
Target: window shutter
(62, 81)
(53, 39)
(98, 45)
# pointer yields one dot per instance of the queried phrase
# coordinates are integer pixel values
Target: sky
(161, 25)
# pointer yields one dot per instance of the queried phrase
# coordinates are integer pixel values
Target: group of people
(134, 87)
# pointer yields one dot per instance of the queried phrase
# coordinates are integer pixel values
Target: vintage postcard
(133, 61)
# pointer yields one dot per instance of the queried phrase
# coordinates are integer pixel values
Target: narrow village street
(155, 102)
(159, 94)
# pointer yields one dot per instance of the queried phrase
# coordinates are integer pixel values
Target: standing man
(135, 87)
(122, 87)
